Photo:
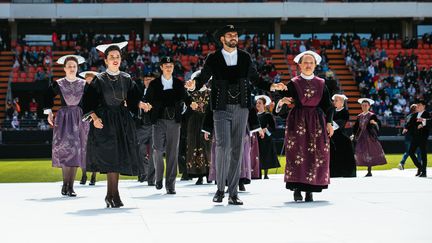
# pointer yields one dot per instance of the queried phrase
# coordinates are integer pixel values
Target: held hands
(286, 101)
(194, 106)
(145, 106)
(330, 130)
(206, 136)
(278, 87)
(262, 133)
(190, 84)
(404, 131)
(97, 122)
(51, 119)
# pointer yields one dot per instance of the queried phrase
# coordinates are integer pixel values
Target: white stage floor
(393, 206)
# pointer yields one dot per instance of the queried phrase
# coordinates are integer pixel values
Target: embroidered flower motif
(290, 144)
(299, 159)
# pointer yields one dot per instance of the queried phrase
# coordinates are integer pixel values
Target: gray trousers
(146, 166)
(166, 135)
(230, 126)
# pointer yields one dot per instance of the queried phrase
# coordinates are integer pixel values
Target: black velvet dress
(342, 161)
(114, 148)
(267, 151)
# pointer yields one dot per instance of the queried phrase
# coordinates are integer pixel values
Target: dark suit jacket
(412, 125)
(215, 66)
(154, 96)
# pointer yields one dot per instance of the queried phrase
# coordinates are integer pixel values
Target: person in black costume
(112, 144)
(420, 123)
(342, 161)
(267, 151)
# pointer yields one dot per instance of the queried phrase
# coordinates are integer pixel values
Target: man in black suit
(167, 99)
(233, 77)
(419, 124)
(144, 135)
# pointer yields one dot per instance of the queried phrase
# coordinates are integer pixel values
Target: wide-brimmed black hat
(226, 29)
(166, 59)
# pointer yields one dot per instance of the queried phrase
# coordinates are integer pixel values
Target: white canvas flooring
(392, 206)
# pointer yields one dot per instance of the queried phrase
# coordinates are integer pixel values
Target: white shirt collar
(420, 114)
(307, 77)
(167, 83)
(340, 109)
(69, 80)
(229, 53)
(112, 73)
(230, 57)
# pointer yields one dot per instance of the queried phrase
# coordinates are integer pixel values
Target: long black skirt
(342, 161)
(114, 148)
(267, 153)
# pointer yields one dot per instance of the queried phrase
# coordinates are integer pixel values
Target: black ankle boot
(242, 187)
(64, 190)
(83, 179)
(308, 197)
(93, 180)
(199, 181)
(71, 192)
(297, 195)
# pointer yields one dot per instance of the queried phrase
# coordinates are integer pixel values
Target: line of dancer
(113, 125)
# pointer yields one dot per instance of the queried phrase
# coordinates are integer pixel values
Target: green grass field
(40, 170)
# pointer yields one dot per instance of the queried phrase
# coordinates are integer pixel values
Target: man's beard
(230, 44)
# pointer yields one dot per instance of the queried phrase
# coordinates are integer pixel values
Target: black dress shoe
(159, 185)
(109, 201)
(308, 197)
(117, 202)
(64, 190)
(423, 174)
(199, 181)
(83, 179)
(71, 193)
(242, 187)
(234, 200)
(208, 181)
(266, 177)
(141, 178)
(369, 174)
(171, 191)
(93, 180)
(418, 172)
(218, 197)
(185, 177)
(298, 196)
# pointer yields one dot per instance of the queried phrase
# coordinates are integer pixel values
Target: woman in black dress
(267, 152)
(88, 76)
(112, 143)
(342, 161)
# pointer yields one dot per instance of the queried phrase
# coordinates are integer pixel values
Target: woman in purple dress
(308, 130)
(368, 150)
(69, 132)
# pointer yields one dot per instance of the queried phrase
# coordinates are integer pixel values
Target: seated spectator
(15, 121)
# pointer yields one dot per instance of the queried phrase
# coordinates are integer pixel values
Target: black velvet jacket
(244, 74)
(154, 96)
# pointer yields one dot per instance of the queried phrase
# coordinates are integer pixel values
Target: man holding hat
(167, 99)
(233, 75)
